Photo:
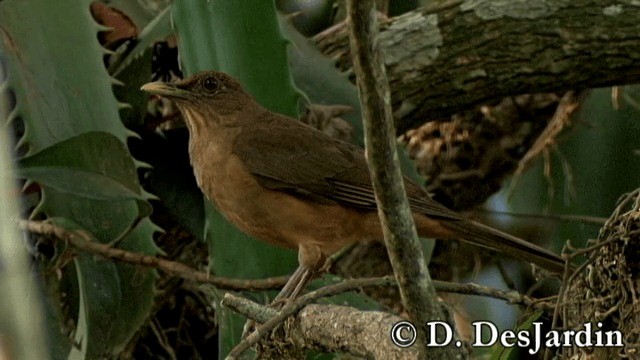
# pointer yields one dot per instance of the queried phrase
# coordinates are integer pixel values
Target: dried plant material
(606, 290)
(121, 27)
(327, 118)
(547, 139)
(616, 93)
(340, 11)
(467, 158)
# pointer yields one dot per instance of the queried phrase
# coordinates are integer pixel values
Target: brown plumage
(289, 184)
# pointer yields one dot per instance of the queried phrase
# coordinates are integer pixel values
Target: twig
(256, 313)
(162, 340)
(262, 313)
(401, 240)
(555, 217)
(561, 119)
(83, 241)
(504, 274)
(567, 279)
(512, 297)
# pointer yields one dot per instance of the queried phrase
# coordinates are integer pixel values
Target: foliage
(63, 96)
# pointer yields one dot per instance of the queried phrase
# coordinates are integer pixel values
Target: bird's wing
(305, 162)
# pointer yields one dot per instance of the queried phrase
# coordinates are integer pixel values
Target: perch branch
(327, 327)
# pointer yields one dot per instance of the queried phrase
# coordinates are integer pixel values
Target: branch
(331, 328)
(257, 312)
(455, 54)
(401, 240)
(309, 331)
(271, 320)
(83, 241)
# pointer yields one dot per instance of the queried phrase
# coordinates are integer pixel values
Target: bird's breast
(225, 181)
(270, 215)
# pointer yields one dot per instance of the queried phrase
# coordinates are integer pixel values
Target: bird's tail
(502, 242)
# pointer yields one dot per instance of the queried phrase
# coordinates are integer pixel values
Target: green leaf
(93, 164)
(242, 39)
(105, 306)
(55, 69)
(499, 352)
(62, 91)
(195, 29)
(136, 74)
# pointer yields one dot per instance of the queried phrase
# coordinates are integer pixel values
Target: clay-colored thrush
(289, 184)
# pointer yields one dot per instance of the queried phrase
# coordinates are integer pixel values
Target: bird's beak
(165, 89)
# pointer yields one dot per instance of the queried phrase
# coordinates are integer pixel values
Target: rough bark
(445, 58)
(400, 237)
(318, 327)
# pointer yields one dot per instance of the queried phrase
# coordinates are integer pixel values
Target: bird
(291, 185)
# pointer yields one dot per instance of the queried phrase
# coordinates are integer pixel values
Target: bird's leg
(290, 291)
(294, 285)
(310, 258)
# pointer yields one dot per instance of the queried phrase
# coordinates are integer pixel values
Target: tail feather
(494, 239)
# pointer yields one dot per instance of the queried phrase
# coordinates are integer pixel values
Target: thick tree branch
(445, 58)
(331, 328)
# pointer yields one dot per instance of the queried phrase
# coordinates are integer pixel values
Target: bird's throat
(195, 121)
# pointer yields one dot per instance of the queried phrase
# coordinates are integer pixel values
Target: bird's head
(204, 97)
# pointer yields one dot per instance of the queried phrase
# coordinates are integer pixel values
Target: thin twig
(555, 217)
(511, 296)
(162, 340)
(560, 120)
(83, 241)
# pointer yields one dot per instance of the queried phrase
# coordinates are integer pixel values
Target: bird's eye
(210, 84)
